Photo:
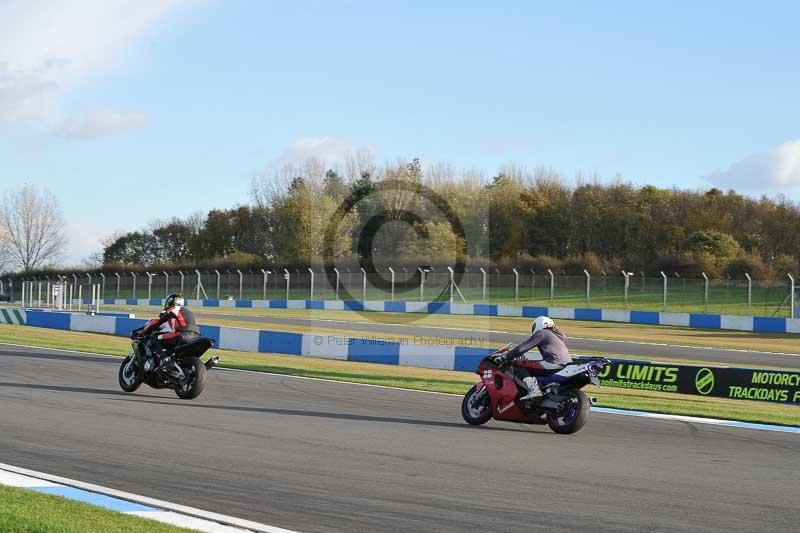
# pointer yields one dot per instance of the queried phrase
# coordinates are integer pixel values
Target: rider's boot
(534, 391)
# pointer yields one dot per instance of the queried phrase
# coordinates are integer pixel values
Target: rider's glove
(499, 360)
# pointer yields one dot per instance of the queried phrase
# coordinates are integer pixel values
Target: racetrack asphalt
(491, 339)
(319, 456)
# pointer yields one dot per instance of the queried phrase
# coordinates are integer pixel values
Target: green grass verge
(28, 511)
(418, 378)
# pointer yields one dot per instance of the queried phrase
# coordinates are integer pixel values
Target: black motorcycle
(182, 371)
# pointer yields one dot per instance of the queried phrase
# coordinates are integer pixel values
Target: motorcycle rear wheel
(473, 414)
(130, 374)
(574, 414)
(197, 379)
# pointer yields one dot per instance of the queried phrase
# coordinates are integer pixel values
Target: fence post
(80, 296)
(516, 284)
(287, 276)
(791, 296)
(264, 289)
(552, 285)
(180, 273)
(336, 289)
(421, 284)
(749, 290)
(199, 284)
(363, 285)
(166, 283)
(665, 289)
(219, 277)
(149, 285)
(312, 283)
(533, 283)
(588, 285)
(705, 297)
(102, 285)
(483, 276)
(241, 284)
(643, 279)
(119, 278)
(391, 270)
(133, 275)
(626, 285)
(452, 282)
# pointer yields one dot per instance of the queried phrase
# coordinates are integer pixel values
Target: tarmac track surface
(492, 339)
(320, 456)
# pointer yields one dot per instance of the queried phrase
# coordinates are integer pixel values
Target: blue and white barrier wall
(367, 350)
(758, 324)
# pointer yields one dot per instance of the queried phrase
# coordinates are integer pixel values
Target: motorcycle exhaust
(211, 363)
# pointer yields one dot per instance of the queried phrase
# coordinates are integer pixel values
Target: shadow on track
(334, 416)
(61, 357)
(64, 388)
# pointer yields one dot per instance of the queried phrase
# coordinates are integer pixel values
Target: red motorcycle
(563, 405)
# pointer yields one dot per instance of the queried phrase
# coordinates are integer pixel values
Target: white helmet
(542, 322)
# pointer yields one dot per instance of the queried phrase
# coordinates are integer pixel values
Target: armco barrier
(760, 324)
(725, 382)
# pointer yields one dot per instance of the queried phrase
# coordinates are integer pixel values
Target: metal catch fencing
(624, 290)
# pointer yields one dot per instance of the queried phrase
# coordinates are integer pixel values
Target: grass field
(414, 378)
(27, 511)
(744, 340)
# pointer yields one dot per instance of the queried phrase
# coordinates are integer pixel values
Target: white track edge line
(145, 500)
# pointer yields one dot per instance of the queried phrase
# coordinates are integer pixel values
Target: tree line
(403, 215)
(516, 218)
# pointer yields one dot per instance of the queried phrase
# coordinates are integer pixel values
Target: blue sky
(130, 111)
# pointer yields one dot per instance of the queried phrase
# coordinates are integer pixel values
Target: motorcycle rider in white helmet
(553, 353)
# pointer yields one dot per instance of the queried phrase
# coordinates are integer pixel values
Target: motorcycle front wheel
(130, 374)
(476, 409)
(196, 378)
(573, 414)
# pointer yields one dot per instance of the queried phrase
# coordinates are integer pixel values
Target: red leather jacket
(173, 323)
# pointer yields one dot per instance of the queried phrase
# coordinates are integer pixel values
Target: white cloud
(49, 47)
(84, 240)
(330, 150)
(99, 123)
(777, 170)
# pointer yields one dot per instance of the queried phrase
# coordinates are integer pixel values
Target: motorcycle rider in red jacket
(175, 325)
(553, 353)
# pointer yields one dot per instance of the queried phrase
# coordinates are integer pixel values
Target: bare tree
(33, 226)
(4, 255)
(359, 162)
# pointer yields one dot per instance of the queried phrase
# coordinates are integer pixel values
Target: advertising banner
(722, 382)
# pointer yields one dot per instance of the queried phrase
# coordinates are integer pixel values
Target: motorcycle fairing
(504, 406)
